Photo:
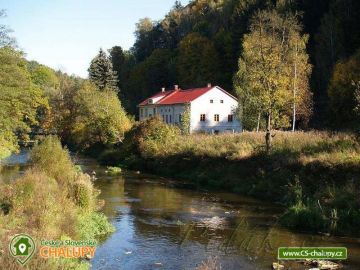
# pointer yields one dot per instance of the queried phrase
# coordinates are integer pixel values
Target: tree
(266, 68)
(185, 121)
(337, 38)
(299, 70)
(117, 58)
(357, 97)
(150, 75)
(5, 39)
(101, 72)
(45, 78)
(99, 118)
(19, 98)
(197, 61)
(341, 92)
(123, 63)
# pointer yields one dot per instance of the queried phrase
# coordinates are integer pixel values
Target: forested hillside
(203, 41)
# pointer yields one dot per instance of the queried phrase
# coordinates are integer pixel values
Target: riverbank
(314, 174)
(52, 200)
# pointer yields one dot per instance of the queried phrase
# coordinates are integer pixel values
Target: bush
(114, 170)
(93, 224)
(83, 192)
(304, 217)
(146, 136)
(54, 160)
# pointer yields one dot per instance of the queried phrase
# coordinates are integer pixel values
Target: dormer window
(150, 101)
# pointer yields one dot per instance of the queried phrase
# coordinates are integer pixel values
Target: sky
(67, 34)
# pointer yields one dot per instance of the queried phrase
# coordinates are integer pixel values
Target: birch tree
(274, 69)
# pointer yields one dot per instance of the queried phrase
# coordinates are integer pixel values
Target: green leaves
(99, 118)
(19, 98)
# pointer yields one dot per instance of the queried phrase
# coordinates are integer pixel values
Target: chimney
(176, 87)
(163, 89)
(209, 85)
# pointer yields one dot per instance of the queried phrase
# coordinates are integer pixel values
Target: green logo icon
(22, 247)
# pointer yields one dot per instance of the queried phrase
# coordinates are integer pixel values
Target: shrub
(304, 217)
(83, 192)
(51, 158)
(147, 135)
(114, 170)
(93, 224)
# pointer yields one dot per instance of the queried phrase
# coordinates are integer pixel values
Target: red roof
(181, 96)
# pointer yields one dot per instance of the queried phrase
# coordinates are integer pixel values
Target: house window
(166, 118)
(202, 117)
(170, 117)
(141, 112)
(230, 118)
(216, 117)
(154, 111)
(211, 101)
(222, 101)
(163, 116)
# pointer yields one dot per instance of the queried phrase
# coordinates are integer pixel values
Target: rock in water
(277, 266)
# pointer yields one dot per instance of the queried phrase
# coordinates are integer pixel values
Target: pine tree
(101, 72)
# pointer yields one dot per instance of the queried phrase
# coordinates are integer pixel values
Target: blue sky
(67, 34)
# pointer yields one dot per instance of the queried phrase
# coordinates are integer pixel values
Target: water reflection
(14, 166)
(158, 223)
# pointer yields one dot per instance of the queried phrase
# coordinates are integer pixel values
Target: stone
(277, 266)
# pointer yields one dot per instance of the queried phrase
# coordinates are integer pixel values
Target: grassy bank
(314, 174)
(52, 200)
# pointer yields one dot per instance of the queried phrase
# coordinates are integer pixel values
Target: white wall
(171, 111)
(202, 105)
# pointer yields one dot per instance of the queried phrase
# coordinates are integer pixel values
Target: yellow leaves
(267, 64)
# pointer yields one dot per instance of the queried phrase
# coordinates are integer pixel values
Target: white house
(212, 109)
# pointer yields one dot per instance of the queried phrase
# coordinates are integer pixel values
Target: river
(163, 224)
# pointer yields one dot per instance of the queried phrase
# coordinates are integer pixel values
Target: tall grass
(52, 200)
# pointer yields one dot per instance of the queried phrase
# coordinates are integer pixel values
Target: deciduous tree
(267, 82)
(99, 118)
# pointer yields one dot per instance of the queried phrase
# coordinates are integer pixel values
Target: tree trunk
(294, 91)
(268, 137)
(258, 123)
